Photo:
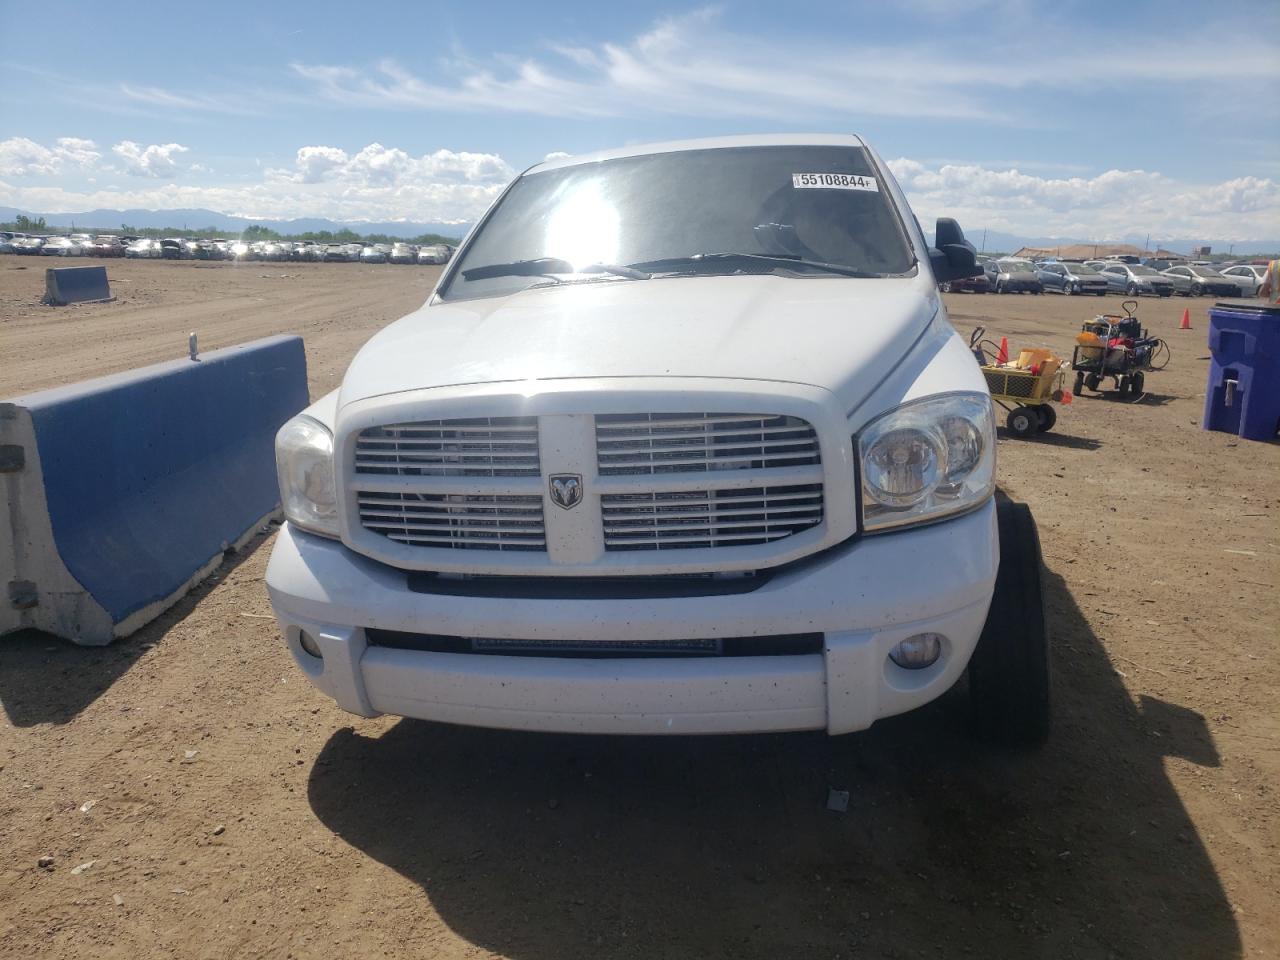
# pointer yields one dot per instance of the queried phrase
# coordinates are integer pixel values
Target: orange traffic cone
(1186, 319)
(1003, 356)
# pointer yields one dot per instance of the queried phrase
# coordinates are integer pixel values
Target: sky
(1055, 119)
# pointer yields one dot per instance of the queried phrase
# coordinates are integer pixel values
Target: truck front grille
(709, 518)
(461, 522)
(472, 447)
(656, 443)
(666, 481)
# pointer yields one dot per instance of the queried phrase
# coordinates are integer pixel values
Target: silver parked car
(403, 253)
(1072, 278)
(147, 248)
(61, 247)
(28, 246)
(1205, 280)
(434, 253)
(1248, 275)
(1017, 276)
(375, 253)
(1133, 279)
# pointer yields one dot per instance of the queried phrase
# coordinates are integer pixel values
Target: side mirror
(952, 256)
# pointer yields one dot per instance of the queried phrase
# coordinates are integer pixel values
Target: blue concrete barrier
(123, 492)
(66, 285)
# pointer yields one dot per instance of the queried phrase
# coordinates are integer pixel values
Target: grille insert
(709, 518)
(473, 447)
(784, 645)
(462, 522)
(658, 443)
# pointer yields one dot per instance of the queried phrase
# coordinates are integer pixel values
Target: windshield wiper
(549, 267)
(698, 261)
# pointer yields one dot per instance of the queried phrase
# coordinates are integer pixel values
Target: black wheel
(1122, 386)
(1022, 422)
(1093, 381)
(1133, 290)
(1009, 669)
(1046, 417)
(1197, 290)
(1135, 384)
(1164, 295)
(1071, 289)
(999, 287)
(1102, 293)
(945, 288)
(1078, 389)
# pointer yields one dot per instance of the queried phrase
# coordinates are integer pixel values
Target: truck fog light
(918, 652)
(308, 643)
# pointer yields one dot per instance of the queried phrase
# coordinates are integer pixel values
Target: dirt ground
(200, 799)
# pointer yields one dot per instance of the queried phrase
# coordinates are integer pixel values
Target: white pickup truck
(683, 442)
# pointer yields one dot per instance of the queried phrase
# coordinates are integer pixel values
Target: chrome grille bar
(465, 447)
(462, 522)
(631, 444)
(664, 521)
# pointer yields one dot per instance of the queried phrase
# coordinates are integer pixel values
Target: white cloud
(695, 65)
(379, 166)
(20, 157)
(373, 183)
(685, 65)
(1112, 204)
(556, 155)
(235, 104)
(160, 160)
(317, 163)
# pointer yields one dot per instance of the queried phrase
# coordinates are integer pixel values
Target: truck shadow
(542, 847)
(1064, 440)
(46, 679)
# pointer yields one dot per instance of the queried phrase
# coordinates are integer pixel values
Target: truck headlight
(926, 460)
(304, 464)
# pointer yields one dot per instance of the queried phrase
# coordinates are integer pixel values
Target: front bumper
(863, 597)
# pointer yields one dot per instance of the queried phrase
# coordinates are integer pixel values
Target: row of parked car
(1128, 276)
(178, 248)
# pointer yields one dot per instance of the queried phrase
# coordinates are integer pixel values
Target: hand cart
(1116, 347)
(1027, 393)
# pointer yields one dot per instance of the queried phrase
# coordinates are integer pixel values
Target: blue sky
(1057, 119)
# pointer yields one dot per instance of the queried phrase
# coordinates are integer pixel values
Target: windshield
(815, 203)
(1017, 266)
(1205, 272)
(1140, 271)
(1080, 270)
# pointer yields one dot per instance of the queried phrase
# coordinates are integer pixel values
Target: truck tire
(1009, 670)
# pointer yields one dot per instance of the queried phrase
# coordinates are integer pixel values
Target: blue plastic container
(1243, 396)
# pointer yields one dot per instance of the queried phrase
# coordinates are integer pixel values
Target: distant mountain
(198, 219)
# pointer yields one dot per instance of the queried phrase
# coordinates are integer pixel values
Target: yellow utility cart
(1027, 387)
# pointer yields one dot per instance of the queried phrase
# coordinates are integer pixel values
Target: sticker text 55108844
(834, 181)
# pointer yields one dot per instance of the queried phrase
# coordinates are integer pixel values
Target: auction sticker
(834, 181)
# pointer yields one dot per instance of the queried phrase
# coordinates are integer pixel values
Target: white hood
(841, 334)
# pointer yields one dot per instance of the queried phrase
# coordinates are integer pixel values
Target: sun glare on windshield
(584, 227)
